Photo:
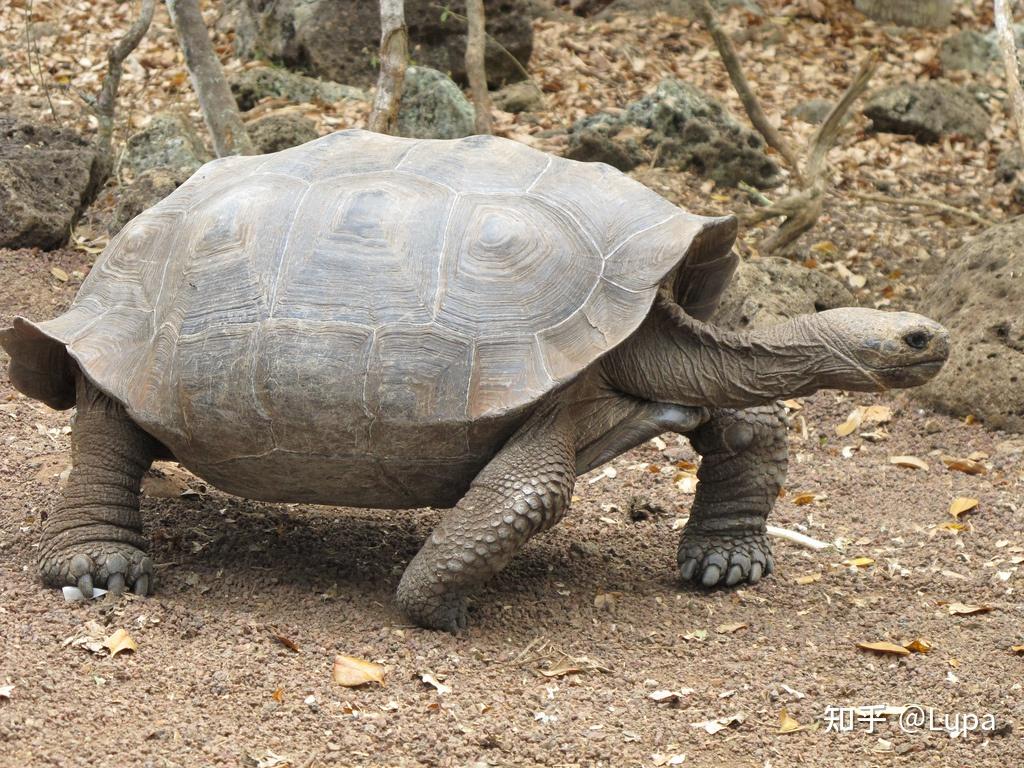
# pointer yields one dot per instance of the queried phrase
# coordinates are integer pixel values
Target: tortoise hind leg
(743, 466)
(524, 490)
(94, 537)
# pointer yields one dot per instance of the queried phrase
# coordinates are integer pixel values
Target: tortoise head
(871, 350)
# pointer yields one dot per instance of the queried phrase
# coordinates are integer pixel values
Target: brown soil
(211, 683)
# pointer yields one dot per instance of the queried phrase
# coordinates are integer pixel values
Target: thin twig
(920, 202)
(515, 62)
(394, 58)
(702, 10)
(1008, 47)
(796, 538)
(37, 73)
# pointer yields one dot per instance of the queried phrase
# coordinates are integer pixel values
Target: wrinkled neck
(675, 358)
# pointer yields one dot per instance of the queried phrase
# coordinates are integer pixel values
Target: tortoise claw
(718, 559)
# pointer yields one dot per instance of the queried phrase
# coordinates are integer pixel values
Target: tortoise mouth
(910, 374)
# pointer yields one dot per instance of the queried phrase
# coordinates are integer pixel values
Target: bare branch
(922, 202)
(394, 58)
(476, 39)
(220, 111)
(828, 133)
(702, 10)
(105, 104)
(1008, 47)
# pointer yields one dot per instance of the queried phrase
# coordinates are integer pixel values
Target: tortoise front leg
(523, 491)
(94, 538)
(744, 458)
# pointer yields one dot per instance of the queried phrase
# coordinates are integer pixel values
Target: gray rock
(337, 39)
(908, 13)
(680, 127)
(148, 189)
(433, 107)
(927, 112)
(47, 178)
(978, 293)
(169, 141)
(973, 50)
(519, 97)
(814, 111)
(251, 85)
(769, 290)
(1009, 163)
(273, 133)
(681, 8)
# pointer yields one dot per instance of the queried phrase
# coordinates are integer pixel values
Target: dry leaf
(287, 642)
(728, 629)
(912, 462)
(1018, 649)
(721, 723)
(951, 526)
(669, 697)
(885, 647)
(802, 499)
(851, 424)
(918, 645)
(859, 562)
(351, 672)
(962, 504)
(60, 274)
(697, 634)
(120, 641)
(877, 414)
(786, 723)
(606, 601)
(278, 695)
(6, 692)
(969, 466)
(808, 579)
(967, 609)
(429, 679)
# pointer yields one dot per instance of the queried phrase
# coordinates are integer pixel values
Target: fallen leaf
(669, 697)
(720, 723)
(967, 609)
(278, 695)
(350, 672)
(728, 629)
(951, 526)
(808, 579)
(802, 499)
(851, 424)
(6, 692)
(429, 679)
(859, 562)
(287, 642)
(877, 414)
(918, 645)
(786, 723)
(120, 641)
(911, 462)
(1018, 649)
(968, 466)
(962, 504)
(885, 647)
(697, 634)
(606, 601)
(60, 274)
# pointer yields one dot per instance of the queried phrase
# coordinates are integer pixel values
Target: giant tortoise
(392, 323)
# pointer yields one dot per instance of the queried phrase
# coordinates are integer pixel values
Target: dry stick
(1008, 47)
(921, 202)
(702, 10)
(37, 73)
(806, 205)
(106, 104)
(394, 58)
(476, 39)
(220, 111)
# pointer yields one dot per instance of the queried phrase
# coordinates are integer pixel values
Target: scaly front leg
(744, 458)
(94, 538)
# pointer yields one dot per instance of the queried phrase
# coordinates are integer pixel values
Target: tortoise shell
(311, 324)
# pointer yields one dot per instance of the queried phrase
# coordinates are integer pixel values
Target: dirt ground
(572, 648)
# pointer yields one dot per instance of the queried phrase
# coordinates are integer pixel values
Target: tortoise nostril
(917, 339)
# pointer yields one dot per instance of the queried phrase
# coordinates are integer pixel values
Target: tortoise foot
(727, 559)
(445, 611)
(114, 566)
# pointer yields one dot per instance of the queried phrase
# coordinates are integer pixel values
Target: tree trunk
(394, 58)
(476, 40)
(908, 13)
(218, 105)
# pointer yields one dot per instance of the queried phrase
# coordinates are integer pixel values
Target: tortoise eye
(917, 339)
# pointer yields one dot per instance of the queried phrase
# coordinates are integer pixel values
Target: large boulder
(255, 83)
(433, 107)
(978, 293)
(927, 112)
(338, 39)
(282, 130)
(973, 50)
(679, 127)
(169, 141)
(769, 290)
(47, 178)
(908, 13)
